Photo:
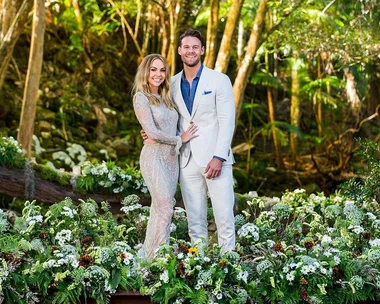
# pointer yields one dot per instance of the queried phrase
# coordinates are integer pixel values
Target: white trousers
(194, 188)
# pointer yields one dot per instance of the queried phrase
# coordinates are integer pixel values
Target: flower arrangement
(108, 176)
(295, 249)
(94, 177)
(11, 153)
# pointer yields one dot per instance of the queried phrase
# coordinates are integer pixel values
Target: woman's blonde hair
(141, 83)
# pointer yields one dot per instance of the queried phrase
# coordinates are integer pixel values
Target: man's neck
(191, 72)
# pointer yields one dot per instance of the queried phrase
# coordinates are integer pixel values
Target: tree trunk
(32, 82)
(8, 11)
(295, 107)
(272, 120)
(147, 30)
(240, 45)
(11, 27)
(165, 38)
(212, 29)
(15, 183)
(318, 101)
(175, 12)
(78, 15)
(224, 54)
(247, 62)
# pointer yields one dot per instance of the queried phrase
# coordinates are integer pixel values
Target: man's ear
(179, 50)
(203, 50)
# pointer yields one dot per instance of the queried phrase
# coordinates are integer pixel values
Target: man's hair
(192, 33)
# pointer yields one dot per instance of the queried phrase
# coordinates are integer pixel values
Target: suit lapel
(179, 98)
(203, 81)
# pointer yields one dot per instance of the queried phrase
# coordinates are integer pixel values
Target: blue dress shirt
(188, 93)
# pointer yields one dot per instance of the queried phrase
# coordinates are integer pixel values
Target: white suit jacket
(214, 114)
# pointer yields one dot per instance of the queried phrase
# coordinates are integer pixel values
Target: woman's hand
(189, 133)
(146, 139)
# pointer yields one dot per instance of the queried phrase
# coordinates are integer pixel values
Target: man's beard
(192, 64)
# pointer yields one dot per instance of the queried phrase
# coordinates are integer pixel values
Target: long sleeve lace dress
(159, 168)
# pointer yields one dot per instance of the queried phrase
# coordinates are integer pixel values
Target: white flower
(297, 191)
(243, 276)
(164, 276)
(173, 227)
(63, 236)
(290, 276)
(336, 260)
(312, 268)
(376, 224)
(356, 229)
(249, 229)
(305, 269)
(69, 212)
(118, 190)
(326, 240)
(219, 296)
(48, 264)
(286, 269)
(128, 257)
(374, 243)
(34, 219)
(371, 216)
(94, 171)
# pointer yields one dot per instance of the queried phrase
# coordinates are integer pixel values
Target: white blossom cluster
(10, 143)
(4, 225)
(375, 243)
(65, 255)
(63, 236)
(249, 230)
(69, 212)
(32, 220)
(115, 178)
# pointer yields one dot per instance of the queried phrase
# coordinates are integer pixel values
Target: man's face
(191, 51)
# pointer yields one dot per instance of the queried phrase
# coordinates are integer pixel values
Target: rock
(46, 135)
(44, 126)
(45, 114)
(121, 146)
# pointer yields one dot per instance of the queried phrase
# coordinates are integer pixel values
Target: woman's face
(157, 74)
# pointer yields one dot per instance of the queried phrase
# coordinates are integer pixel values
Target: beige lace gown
(159, 167)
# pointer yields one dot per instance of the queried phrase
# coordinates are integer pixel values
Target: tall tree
(224, 53)
(14, 15)
(246, 65)
(29, 103)
(295, 105)
(272, 118)
(212, 28)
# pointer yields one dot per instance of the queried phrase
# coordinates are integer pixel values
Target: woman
(157, 114)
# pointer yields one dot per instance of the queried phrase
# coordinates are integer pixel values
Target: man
(205, 97)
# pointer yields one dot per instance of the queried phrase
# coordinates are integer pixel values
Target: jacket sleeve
(226, 117)
(145, 117)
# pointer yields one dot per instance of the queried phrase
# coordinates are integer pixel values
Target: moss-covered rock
(43, 126)
(121, 146)
(45, 114)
